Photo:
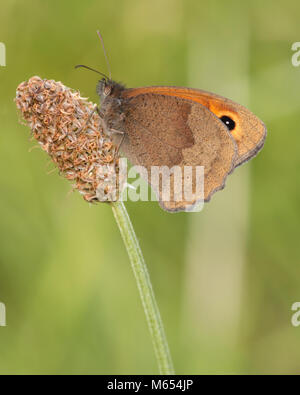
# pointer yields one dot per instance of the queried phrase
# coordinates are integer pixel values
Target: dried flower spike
(61, 121)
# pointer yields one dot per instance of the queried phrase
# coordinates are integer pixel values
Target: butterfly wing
(164, 130)
(249, 131)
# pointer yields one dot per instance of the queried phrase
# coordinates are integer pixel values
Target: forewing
(249, 132)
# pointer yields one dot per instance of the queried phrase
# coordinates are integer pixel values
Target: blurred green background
(225, 278)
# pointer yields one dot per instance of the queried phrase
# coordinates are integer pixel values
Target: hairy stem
(145, 288)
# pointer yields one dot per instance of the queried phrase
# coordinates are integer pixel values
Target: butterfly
(172, 126)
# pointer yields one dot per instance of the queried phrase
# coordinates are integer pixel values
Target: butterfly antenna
(90, 68)
(105, 54)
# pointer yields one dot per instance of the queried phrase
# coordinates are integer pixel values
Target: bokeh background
(225, 278)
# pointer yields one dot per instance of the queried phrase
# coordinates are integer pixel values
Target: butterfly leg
(88, 120)
(121, 141)
(110, 131)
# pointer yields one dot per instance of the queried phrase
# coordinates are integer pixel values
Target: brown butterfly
(168, 126)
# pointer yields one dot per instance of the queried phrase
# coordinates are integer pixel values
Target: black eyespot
(228, 122)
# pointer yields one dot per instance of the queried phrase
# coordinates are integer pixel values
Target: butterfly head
(108, 88)
(104, 88)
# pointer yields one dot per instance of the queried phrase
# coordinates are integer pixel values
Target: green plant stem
(145, 288)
